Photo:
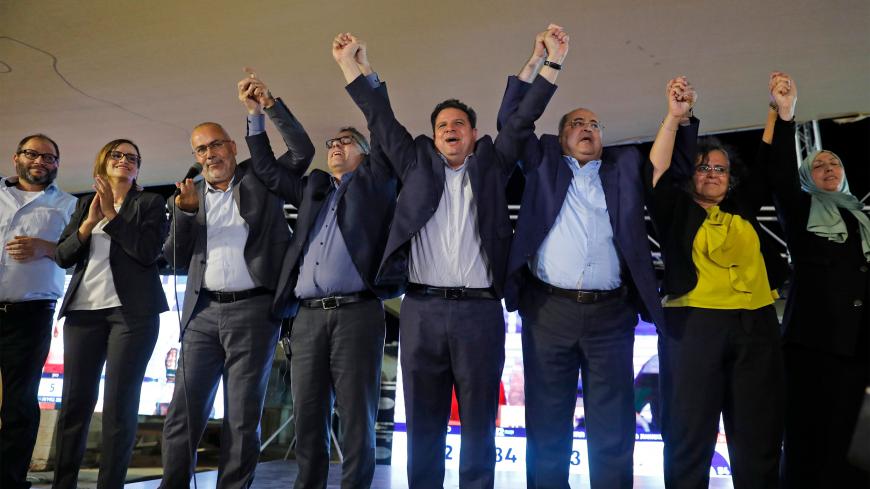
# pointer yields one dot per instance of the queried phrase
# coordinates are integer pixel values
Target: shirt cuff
(373, 80)
(256, 124)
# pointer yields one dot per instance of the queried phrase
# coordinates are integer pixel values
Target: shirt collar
(458, 169)
(210, 188)
(590, 167)
(50, 188)
(345, 179)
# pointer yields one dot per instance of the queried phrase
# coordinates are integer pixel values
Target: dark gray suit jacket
(137, 234)
(262, 210)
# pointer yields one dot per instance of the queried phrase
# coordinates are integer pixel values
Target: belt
(579, 295)
(453, 293)
(27, 306)
(223, 297)
(337, 301)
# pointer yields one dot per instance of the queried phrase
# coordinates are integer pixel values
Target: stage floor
(280, 474)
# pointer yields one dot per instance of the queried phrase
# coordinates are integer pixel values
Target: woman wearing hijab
(719, 348)
(826, 321)
(112, 308)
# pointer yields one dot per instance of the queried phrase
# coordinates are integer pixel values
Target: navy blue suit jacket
(421, 171)
(363, 215)
(548, 178)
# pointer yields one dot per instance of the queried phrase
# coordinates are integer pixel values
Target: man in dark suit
(449, 238)
(229, 232)
(579, 271)
(327, 283)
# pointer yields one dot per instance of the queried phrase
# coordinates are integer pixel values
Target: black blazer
(677, 217)
(363, 214)
(137, 234)
(829, 278)
(421, 172)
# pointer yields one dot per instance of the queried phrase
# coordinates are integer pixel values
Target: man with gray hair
(327, 286)
(33, 213)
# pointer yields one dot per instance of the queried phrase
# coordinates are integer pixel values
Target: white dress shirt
(41, 215)
(226, 234)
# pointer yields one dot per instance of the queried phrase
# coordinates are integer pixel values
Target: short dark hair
(736, 169)
(453, 103)
(39, 136)
(358, 137)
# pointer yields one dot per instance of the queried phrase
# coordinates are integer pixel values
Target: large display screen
(159, 379)
(510, 438)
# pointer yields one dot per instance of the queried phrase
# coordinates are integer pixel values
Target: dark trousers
(336, 357)
(446, 344)
(824, 394)
(25, 336)
(124, 343)
(559, 337)
(728, 362)
(235, 341)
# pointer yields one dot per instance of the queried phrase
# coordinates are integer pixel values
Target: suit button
(863, 268)
(195, 292)
(858, 303)
(202, 262)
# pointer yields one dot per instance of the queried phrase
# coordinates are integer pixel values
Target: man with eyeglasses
(327, 286)
(229, 232)
(34, 212)
(449, 243)
(579, 271)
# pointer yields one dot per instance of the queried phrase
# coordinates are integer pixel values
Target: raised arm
(395, 141)
(782, 161)
(681, 97)
(283, 175)
(518, 85)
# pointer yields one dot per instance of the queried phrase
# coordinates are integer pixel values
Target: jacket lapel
(609, 174)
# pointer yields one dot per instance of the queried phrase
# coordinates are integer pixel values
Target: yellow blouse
(731, 272)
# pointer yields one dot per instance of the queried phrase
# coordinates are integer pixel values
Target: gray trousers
(336, 357)
(235, 341)
(124, 343)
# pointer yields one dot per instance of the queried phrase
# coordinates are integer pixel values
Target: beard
(24, 174)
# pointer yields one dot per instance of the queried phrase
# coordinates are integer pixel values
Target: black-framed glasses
(343, 140)
(214, 146)
(580, 123)
(118, 156)
(717, 169)
(34, 155)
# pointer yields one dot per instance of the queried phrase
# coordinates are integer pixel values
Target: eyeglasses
(214, 146)
(592, 125)
(718, 169)
(33, 155)
(118, 156)
(343, 140)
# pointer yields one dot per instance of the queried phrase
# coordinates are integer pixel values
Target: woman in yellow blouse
(719, 349)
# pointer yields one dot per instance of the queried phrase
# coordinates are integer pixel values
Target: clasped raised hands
(253, 93)
(681, 97)
(783, 92)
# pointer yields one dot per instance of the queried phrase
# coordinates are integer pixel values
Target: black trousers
(824, 394)
(561, 336)
(336, 357)
(446, 344)
(124, 343)
(234, 341)
(728, 362)
(25, 336)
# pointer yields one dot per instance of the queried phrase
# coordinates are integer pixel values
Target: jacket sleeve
(516, 141)
(141, 231)
(300, 150)
(783, 172)
(395, 141)
(178, 247)
(69, 248)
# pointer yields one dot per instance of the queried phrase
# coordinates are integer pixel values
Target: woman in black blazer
(112, 309)
(826, 321)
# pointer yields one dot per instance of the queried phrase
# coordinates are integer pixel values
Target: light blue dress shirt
(579, 251)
